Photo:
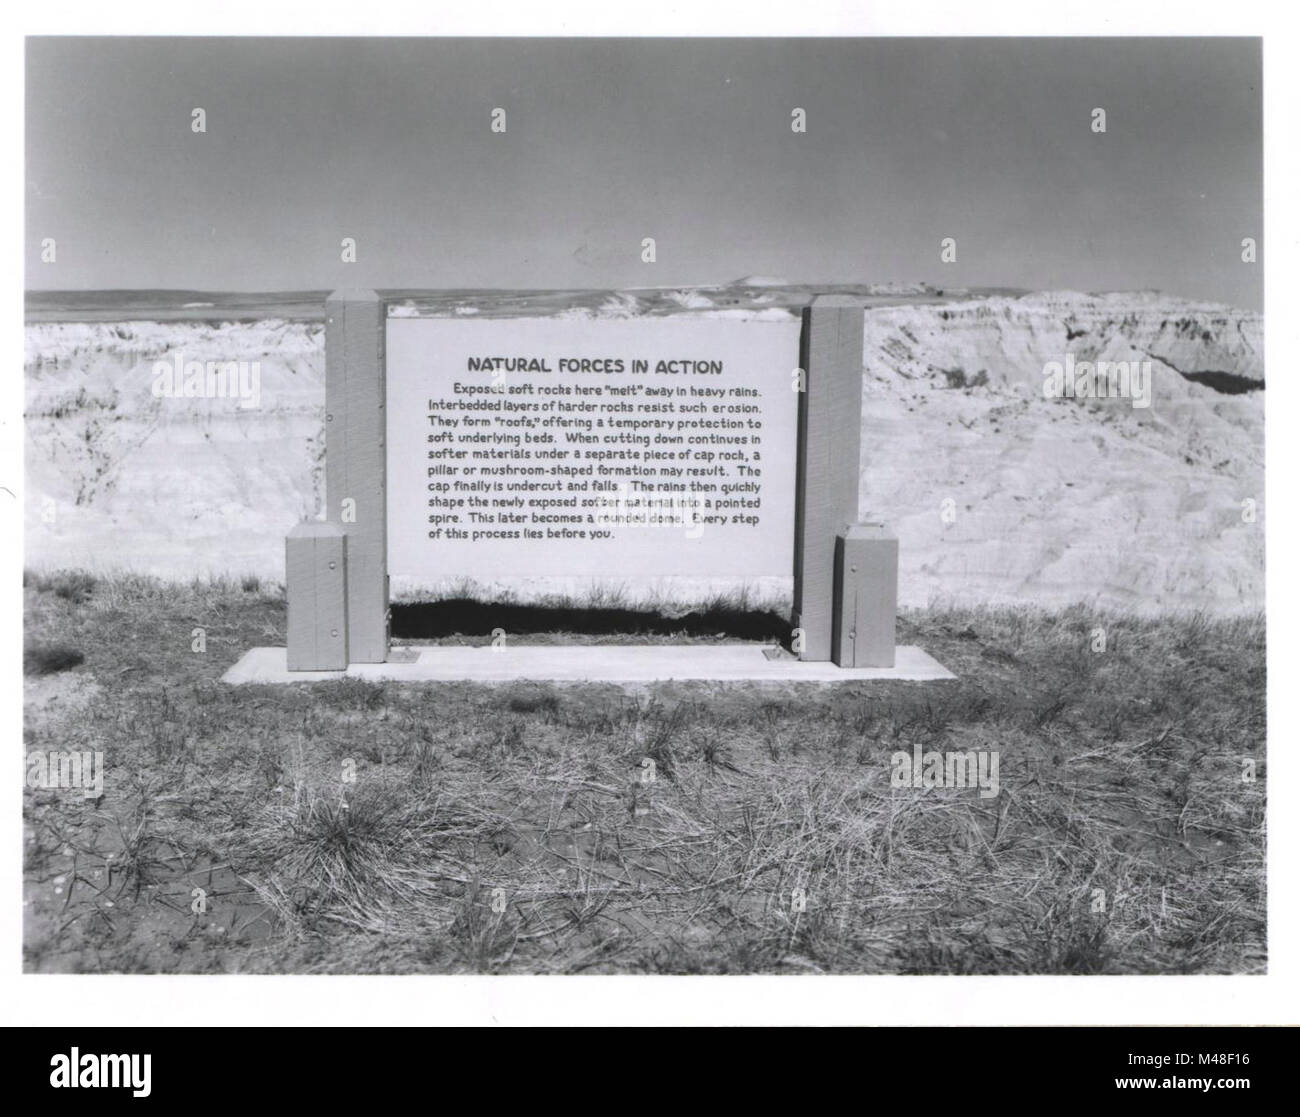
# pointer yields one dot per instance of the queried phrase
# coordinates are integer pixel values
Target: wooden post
(866, 596)
(827, 469)
(354, 462)
(315, 584)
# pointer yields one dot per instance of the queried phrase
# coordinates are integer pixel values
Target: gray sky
(609, 141)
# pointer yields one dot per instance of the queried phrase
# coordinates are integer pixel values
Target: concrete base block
(866, 596)
(315, 584)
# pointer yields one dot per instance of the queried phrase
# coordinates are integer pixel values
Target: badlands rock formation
(998, 494)
(1061, 500)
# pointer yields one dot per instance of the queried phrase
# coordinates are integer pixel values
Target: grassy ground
(355, 827)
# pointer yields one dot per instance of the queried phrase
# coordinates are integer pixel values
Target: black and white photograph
(758, 505)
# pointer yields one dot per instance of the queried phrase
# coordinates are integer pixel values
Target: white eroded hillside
(997, 493)
(119, 477)
(1066, 499)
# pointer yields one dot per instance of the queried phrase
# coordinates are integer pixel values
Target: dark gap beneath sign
(466, 617)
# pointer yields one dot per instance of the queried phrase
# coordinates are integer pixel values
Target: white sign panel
(617, 448)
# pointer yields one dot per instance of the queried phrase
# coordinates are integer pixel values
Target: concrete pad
(590, 663)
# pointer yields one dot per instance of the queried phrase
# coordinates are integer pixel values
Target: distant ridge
(184, 305)
(170, 305)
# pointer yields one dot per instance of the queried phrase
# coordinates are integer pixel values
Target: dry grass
(356, 827)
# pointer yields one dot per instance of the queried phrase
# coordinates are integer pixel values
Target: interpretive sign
(609, 448)
(498, 449)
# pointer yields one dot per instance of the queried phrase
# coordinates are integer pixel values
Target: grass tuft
(49, 659)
